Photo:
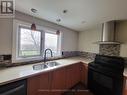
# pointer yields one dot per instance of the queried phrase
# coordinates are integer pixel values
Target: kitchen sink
(39, 66)
(52, 64)
(45, 65)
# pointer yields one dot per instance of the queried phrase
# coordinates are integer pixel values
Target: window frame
(41, 42)
(15, 39)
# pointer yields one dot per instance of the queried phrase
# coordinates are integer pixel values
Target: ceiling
(81, 15)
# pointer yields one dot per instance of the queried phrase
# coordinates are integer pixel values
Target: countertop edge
(38, 73)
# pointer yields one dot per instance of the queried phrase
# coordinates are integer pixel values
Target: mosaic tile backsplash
(88, 55)
(69, 53)
(112, 50)
(5, 59)
(1, 58)
(78, 53)
(109, 49)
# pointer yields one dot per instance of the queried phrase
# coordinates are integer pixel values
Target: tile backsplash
(113, 51)
(1, 58)
(5, 58)
(109, 49)
(88, 55)
(69, 53)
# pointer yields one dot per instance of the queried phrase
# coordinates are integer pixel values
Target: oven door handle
(13, 90)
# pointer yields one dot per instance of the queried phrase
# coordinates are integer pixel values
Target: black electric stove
(105, 75)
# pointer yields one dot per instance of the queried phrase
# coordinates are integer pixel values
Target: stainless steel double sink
(45, 65)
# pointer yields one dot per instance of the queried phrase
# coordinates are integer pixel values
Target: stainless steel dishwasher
(15, 88)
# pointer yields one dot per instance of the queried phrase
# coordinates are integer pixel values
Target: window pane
(51, 41)
(30, 42)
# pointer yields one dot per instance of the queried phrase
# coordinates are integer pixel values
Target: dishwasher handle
(9, 92)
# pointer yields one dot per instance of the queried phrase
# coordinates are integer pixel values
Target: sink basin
(39, 66)
(52, 64)
(45, 65)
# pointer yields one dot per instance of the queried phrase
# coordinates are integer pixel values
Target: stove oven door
(101, 84)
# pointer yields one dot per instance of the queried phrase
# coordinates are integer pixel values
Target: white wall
(6, 28)
(87, 39)
(69, 41)
(122, 37)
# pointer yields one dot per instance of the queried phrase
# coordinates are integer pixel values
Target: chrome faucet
(45, 54)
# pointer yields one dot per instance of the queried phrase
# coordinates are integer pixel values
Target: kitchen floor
(79, 89)
(84, 93)
(80, 93)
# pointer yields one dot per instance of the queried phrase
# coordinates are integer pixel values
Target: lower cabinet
(39, 85)
(44, 84)
(84, 73)
(125, 86)
(57, 81)
(73, 73)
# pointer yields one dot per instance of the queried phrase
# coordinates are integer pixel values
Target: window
(51, 42)
(29, 43)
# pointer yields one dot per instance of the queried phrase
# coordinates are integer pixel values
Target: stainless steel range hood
(108, 33)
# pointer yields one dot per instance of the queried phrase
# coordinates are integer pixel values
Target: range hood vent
(108, 33)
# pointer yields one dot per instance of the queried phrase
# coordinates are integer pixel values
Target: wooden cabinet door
(73, 75)
(44, 84)
(39, 85)
(33, 85)
(84, 73)
(58, 82)
(77, 73)
(69, 76)
(125, 86)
